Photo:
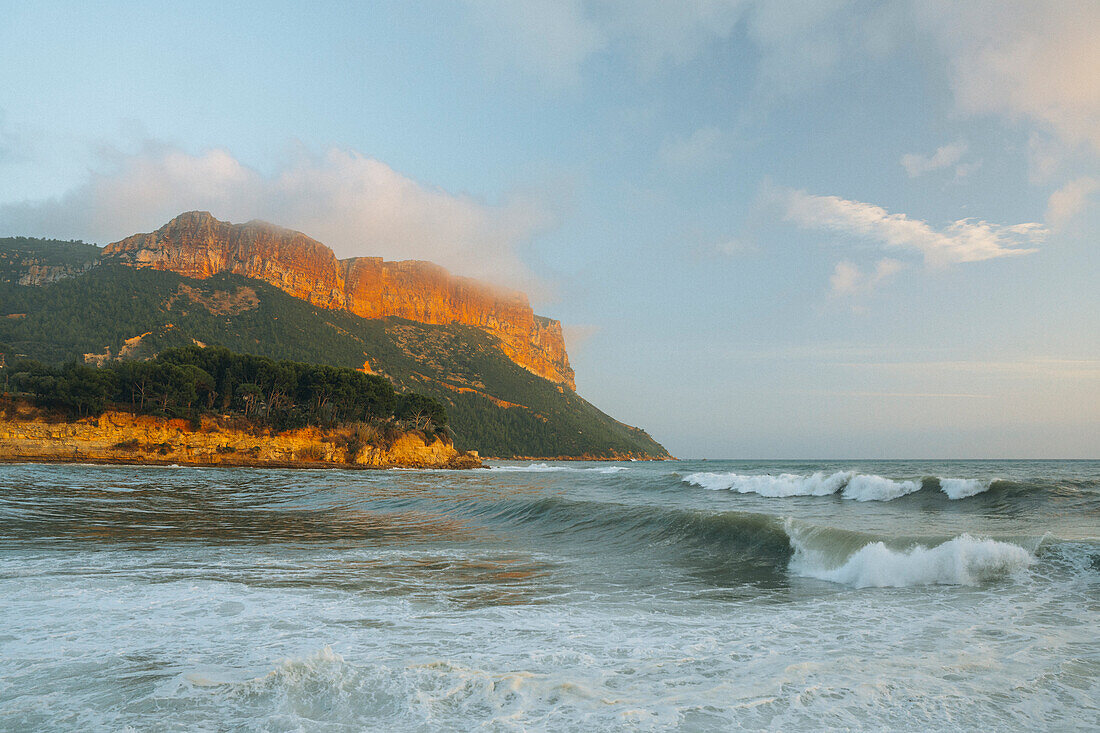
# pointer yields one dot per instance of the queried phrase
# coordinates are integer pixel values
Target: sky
(776, 229)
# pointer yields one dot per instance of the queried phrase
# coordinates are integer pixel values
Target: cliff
(37, 262)
(120, 437)
(197, 245)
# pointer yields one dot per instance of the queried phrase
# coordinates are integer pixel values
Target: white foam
(963, 560)
(545, 468)
(851, 485)
(960, 488)
(869, 487)
(785, 484)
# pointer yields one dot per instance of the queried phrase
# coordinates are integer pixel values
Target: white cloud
(704, 146)
(357, 205)
(848, 279)
(1070, 200)
(966, 240)
(1023, 59)
(944, 157)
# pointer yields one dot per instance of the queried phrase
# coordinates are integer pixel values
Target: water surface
(691, 595)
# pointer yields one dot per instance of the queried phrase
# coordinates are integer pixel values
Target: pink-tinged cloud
(1070, 200)
(355, 204)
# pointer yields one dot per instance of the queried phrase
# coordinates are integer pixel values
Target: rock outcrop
(120, 437)
(195, 244)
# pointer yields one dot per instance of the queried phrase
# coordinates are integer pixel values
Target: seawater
(552, 596)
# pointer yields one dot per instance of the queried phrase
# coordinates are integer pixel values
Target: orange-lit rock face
(196, 244)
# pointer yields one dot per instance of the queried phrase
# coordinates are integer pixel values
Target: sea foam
(963, 560)
(960, 488)
(869, 487)
(850, 485)
(546, 468)
(784, 484)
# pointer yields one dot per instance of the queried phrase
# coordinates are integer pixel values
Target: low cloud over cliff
(357, 205)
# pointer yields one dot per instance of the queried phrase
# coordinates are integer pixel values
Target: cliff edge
(197, 245)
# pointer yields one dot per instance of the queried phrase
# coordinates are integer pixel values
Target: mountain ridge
(96, 310)
(196, 244)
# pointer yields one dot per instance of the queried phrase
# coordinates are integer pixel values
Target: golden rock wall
(197, 245)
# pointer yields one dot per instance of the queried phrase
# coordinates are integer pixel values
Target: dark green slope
(494, 405)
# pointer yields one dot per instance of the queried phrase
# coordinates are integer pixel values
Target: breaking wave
(960, 488)
(546, 468)
(963, 560)
(763, 545)
(850, 485)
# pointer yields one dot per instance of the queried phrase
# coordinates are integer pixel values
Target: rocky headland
(197, 245)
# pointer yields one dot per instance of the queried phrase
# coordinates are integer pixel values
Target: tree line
(192, 381)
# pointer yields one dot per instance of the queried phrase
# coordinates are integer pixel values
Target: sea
(680, 595)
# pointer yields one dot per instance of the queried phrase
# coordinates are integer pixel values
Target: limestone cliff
(120, 437)
(195, 244)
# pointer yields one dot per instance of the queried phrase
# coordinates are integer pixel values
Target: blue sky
(776, 229)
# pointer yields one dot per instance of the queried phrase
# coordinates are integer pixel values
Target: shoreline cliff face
(121, 437)
(197, 245)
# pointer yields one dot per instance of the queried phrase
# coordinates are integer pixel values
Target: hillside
(103, 309)
(197, 245)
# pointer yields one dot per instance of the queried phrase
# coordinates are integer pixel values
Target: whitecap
(546, 468)
(851, 485)
(869, 487)
(960, 488)
(784, 484)
(963, 560)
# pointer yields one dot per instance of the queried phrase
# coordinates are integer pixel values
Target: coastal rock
(197, 245)
(120, 437)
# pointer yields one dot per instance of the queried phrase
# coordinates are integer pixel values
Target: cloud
(656, 32)
(703, 147)
(966, 240)
(944, 157)
(801, 43)
(554, 39)
(14, 144)
(847, 279)
(355, 204)
(578, 334)
(734, 246)
(1070, 200)
(550, 39)
(1022, 59)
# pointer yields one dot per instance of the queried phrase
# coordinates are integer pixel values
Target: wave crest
(960, 488)
(546, 468)
(850, 485)
(963, 560)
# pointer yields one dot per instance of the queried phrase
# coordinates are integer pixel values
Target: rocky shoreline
(29, 435)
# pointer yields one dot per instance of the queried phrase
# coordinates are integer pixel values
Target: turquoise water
(692, 595)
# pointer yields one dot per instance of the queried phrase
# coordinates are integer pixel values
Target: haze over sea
(693, 595)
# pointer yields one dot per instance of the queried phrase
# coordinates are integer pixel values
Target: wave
(963, 560)
(785, 484)
(546, 468)
(850, 485)
(761, 547)
(961, 488)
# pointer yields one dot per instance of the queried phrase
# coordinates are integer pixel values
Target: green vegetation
(493, 405)
(192, 381)
(56, 258)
